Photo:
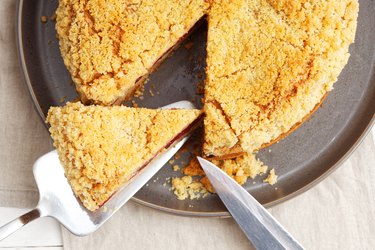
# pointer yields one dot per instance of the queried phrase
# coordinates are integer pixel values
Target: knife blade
(263, 231)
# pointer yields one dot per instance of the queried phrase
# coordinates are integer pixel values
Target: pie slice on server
(101, 148)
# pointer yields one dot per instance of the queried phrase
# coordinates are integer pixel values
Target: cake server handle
(13, 225)
(16, 224)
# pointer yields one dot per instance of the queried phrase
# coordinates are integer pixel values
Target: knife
(263, 231)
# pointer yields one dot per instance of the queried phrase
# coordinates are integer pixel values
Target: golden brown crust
(108, 45)
(101, 148)
(270, 63)
(295, 126)
(224, 153)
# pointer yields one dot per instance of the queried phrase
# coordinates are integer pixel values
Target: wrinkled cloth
(338, 213)
(23, 136)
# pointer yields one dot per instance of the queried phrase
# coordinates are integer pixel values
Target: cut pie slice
(109, 47)
(269, 65)
(101, 148)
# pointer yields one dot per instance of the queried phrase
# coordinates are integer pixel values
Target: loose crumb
(135, 105)
(62, 99)
(176, 168)
(271, 178)
(139, 91)
(185, 188)
(53, 17)
(43, 19)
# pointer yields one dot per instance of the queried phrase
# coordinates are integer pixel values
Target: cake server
(263, 231)
(57, 200)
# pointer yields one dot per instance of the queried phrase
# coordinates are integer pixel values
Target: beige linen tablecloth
(338, 213)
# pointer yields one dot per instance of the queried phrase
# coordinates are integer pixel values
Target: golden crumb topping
(101, 148)
(107, 45)
(269, 63)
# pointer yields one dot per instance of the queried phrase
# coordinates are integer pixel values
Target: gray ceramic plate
(301, 160)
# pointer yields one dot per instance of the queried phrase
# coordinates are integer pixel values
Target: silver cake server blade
(57, 200)
(263, 231)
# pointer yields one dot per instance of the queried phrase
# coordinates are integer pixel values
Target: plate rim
(325, 174)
